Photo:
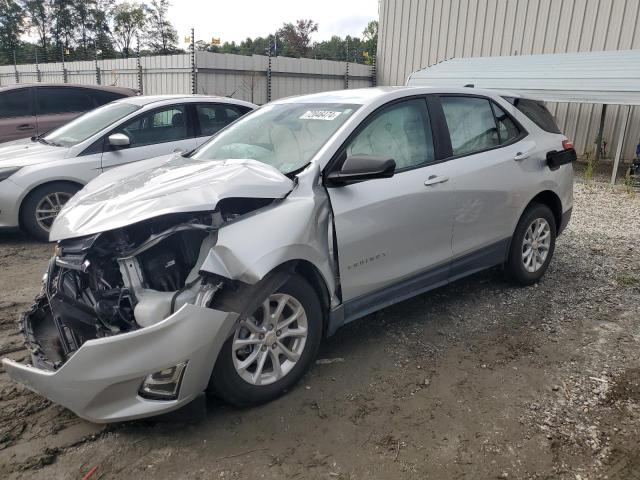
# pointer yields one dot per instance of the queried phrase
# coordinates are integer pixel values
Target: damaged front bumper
(101, 381)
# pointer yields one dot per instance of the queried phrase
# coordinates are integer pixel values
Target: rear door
(17, 116)
(395, 232)
(160, 131)
(213, 117)
(487, 146)
(56, 106)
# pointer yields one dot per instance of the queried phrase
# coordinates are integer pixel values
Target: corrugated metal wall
(240, 76)
(415, 34)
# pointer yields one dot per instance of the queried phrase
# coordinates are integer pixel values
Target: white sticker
(320, 115)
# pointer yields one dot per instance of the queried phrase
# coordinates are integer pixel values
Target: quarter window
(163, 125)
(401, 131)
(472, 126)
(507, 129)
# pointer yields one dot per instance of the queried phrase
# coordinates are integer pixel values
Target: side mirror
(358, 168)
(119, 140)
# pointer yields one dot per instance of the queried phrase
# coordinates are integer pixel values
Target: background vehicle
(39, 175)
(223, 269)
(34, 109)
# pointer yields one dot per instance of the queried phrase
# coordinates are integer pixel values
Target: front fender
(296, 228)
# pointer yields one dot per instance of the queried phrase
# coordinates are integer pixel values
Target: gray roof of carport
(610, 77)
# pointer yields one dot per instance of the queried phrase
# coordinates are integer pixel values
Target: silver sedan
(39, 175)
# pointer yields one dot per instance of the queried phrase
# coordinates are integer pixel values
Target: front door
(395, 229)
(17, 118)
(159, 132)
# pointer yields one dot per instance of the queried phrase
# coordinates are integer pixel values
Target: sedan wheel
(268, 345)
(48, 208)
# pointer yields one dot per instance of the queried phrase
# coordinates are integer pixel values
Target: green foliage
(161, 36)
(85, 29)
(129, 20)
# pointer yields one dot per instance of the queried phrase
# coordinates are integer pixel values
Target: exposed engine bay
(121, 280)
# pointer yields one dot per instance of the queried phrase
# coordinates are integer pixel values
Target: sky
(235, 20)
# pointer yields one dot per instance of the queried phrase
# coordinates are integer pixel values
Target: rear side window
(52, 100)
(537, 113)
(472, 126)
(213, 117)
(15, 103)
(105, 97)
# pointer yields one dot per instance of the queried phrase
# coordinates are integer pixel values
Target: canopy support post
(603, 116)
(621, 136)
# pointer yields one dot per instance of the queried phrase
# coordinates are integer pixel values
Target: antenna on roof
(469, 85)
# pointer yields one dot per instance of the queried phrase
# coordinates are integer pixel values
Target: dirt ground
(479, 379)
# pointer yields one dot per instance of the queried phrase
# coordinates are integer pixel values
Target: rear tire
(532, 245)
(42, 205)
(249, 386)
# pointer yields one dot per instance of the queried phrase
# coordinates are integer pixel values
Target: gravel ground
(479, 379)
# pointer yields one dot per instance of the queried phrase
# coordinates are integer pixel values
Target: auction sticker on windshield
(319, 115)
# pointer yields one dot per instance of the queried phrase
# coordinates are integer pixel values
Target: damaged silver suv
(223, 269)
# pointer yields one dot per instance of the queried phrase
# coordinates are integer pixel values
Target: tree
(62, 25)
(128, 20)
(102, 15)
(297, 37)
(370, 35)
(11, 25)
(161, 36)
(39, 19)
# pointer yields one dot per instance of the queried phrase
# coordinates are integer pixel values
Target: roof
(105, 88)
(611, 77)
(363, 96)
(144, 100)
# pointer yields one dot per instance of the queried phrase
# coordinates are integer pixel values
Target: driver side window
(167, 124)
(401, 131)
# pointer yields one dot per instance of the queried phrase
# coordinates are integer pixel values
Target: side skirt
(486, 257)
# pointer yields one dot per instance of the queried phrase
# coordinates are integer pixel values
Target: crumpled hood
(163, 185)
(24, 152)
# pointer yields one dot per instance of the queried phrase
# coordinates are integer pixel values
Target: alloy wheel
(267, 345)
(48, 208)
(536, 244)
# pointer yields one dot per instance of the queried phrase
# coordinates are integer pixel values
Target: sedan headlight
(6, 172)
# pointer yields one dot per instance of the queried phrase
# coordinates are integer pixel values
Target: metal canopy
(611, 77)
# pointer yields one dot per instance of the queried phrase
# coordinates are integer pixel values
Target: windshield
(285, 136)
(87, 125)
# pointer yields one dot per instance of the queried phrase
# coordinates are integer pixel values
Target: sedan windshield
(87, 125)
(285, 136)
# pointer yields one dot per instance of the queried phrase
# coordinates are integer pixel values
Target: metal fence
(256, 78)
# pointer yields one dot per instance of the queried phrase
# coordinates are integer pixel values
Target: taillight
(567, 144)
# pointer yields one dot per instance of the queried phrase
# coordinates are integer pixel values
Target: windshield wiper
(48, 142)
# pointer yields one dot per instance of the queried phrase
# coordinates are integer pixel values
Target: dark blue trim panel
(484, 258)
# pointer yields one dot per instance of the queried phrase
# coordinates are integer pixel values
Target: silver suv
(222, 270)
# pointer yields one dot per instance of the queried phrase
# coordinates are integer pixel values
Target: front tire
(42, 205)
(272, 347)
(532, 245)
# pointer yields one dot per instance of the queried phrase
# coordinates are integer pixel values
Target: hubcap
(536, 244)
(267, 345)
(48, 208)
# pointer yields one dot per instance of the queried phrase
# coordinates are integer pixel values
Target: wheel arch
(311, 274)
(551, 200)
(40, 185)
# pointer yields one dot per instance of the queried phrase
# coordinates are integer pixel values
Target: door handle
(435, 179)
(25, 126)
(522, 155)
